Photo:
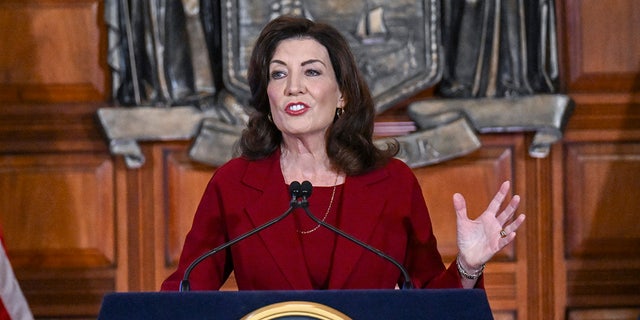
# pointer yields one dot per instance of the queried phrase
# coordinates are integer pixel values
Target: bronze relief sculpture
(179, 70)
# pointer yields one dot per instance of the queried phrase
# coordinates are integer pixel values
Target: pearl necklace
(326, 214)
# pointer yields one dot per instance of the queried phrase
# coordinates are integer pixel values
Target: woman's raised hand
(480, 239)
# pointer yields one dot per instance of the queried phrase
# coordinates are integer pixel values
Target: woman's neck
(300, 162)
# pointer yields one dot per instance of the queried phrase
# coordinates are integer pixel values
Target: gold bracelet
(467, 275)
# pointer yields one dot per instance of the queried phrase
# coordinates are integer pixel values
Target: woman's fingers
(460, 205)
(496, 202)
(509, 211)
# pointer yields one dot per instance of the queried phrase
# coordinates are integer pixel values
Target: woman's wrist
(468, 273)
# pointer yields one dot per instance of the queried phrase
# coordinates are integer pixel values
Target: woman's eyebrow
(310, 61)
(278, 62)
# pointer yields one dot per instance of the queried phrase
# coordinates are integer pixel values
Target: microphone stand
(294, 190)
(306, 192)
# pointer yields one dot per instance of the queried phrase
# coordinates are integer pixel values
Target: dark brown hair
(350, 144)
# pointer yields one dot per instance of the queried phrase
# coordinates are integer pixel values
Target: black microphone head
(294, 189)
(306, 189)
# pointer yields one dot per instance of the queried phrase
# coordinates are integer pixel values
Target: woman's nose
(295, 85)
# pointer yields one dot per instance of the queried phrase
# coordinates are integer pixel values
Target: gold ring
(503, 234)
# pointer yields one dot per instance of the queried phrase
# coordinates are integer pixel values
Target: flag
(13, 305)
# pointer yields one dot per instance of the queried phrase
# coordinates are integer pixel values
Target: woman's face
(303, 91)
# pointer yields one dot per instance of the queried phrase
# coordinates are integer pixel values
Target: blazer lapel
(278, 237)
(362, 204)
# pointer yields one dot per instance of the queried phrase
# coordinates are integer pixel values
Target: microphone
(294, 191)
(305, 193)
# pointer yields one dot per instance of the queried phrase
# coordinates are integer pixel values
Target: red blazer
(384, 208)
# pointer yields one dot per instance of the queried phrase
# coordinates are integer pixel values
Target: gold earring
(339, 112)
(269, 117)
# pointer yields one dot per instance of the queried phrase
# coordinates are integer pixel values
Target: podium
(313, 304)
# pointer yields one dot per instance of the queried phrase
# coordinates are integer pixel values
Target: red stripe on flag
(4, 315)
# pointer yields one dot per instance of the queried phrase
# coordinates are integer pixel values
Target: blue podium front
(353, 304)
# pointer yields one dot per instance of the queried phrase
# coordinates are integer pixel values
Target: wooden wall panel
(186, 181)
(52, 51)
(602, 230)
(602, 201)
(603, 45)
(57, 212)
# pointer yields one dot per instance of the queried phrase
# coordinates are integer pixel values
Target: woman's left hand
(480, 239)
